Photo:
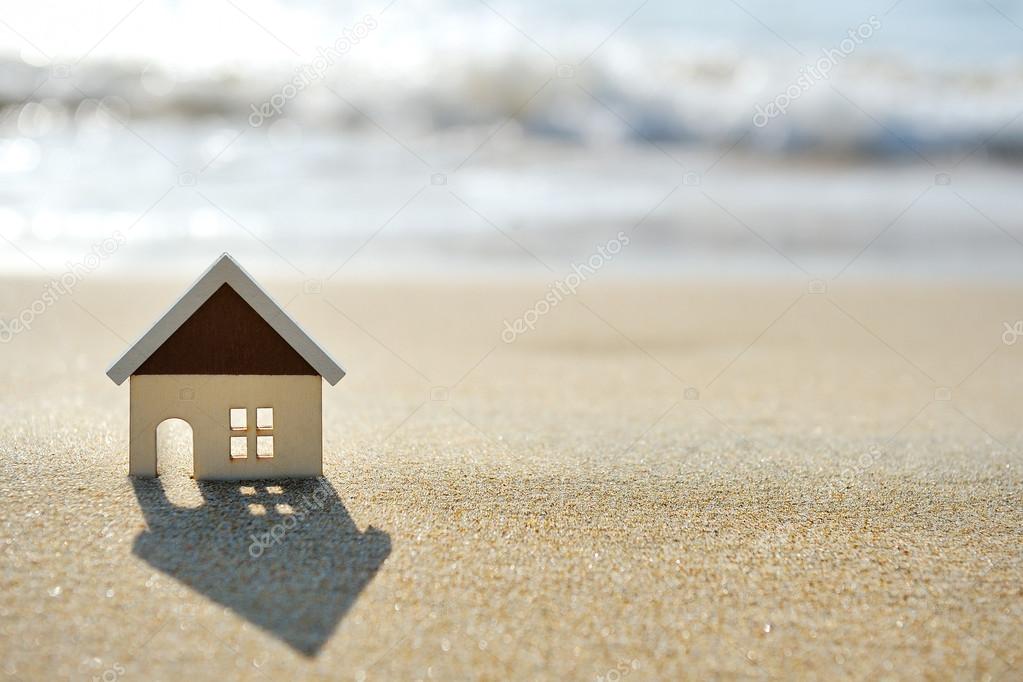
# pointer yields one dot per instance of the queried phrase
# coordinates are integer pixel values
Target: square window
(239, 447)
(239, 419)
(264, 447)
(264, 417)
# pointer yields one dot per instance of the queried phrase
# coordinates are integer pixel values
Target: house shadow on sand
(284, 555)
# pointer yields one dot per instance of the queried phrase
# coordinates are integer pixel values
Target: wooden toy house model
(231, 363)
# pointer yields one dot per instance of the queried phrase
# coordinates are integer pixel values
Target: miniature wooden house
(231, 363)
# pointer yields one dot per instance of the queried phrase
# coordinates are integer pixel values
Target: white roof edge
(225, 270)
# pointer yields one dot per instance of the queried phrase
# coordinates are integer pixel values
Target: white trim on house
(225, 270)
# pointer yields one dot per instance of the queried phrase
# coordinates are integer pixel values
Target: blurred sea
(465, 135)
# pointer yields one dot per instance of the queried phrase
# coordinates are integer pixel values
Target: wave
(873, 107)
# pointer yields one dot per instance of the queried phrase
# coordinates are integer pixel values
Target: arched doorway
(175, 444)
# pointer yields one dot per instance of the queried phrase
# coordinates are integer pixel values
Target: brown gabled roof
(225, 324)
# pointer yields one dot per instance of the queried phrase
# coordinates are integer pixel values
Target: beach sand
(665, 480)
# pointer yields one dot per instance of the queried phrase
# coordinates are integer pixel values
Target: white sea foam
(937, 80)
(871, 107)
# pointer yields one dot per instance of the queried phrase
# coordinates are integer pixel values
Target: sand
(662, 480)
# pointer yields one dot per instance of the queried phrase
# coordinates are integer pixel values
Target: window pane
(239, 447)
(239, 421)
(264, 446)
(264, 417)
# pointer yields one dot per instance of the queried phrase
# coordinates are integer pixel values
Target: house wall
(205, 400)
